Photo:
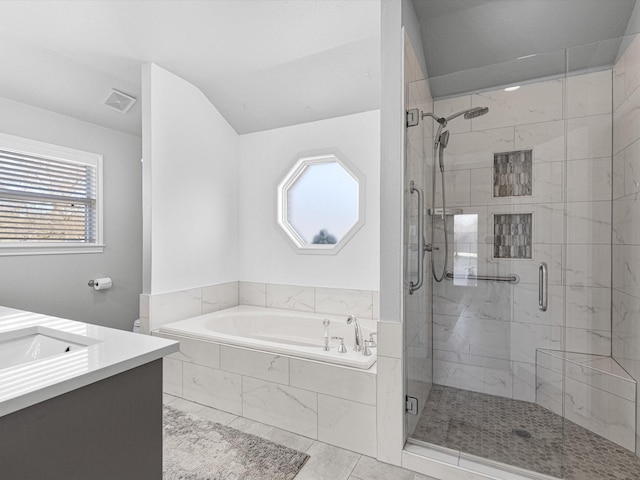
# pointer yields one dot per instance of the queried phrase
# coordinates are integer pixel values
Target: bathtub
(285, 332)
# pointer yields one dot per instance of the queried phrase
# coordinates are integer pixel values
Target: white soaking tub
(286, 332)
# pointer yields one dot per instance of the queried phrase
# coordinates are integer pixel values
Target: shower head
(442, 121)
(475, 112)
(468, 114)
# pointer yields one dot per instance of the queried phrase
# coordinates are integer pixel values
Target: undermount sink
(35, 343)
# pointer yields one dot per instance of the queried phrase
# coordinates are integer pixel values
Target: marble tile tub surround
(329, 403)
(334, 301)
(626, 214)
(160, 309)
(157, 310)
(486, 335)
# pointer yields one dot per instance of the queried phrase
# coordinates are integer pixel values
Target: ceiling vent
(119, 101)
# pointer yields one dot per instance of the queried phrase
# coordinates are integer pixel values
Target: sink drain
(521, 433)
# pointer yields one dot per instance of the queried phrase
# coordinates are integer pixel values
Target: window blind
(46, 200)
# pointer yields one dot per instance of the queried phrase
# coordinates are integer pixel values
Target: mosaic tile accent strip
(522, 434)
(512, 173)
(512, 234)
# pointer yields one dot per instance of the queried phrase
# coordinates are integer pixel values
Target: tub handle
(342, 348)
(326, 323)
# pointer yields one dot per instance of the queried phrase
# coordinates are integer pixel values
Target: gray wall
(57, 284)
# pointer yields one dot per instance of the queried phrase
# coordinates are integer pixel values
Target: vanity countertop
(111, 352)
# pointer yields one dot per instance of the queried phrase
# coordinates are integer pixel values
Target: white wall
(266, 256)
(191, 186)
(391, 162)
(390, 385)
(57, 284)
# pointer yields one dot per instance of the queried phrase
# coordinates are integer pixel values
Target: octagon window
(321, 203)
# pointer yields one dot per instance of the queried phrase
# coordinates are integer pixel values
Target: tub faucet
(358, 343)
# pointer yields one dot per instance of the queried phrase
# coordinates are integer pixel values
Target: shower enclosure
(521, 218)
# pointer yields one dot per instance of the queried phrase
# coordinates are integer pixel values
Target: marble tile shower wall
(626, 213)
(486, 333)
(157, 310)
(418, 323)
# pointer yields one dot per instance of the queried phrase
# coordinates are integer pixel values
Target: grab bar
(413, 188)
(513, 278)
(542, 287)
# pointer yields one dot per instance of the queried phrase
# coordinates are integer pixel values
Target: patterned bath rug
(197, 449)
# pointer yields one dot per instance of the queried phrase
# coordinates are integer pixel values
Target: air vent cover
(119, 101)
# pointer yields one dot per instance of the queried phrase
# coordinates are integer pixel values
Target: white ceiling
(263, 63)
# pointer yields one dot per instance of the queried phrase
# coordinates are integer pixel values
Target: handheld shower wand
(441, 142)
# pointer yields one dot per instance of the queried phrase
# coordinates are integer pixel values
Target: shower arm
(455, 115)
(440, 120)
(442, 123)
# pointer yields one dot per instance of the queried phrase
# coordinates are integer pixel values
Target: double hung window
(50, 198)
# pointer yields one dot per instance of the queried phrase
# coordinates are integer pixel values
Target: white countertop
(114, 352)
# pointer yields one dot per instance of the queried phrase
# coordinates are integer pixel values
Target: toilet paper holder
(100, 283)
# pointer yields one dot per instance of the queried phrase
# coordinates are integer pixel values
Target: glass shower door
(418, 281)
(494, 278)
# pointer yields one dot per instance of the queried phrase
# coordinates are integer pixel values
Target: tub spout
(358, 342)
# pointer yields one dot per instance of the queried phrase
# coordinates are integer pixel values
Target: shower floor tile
(522, 434)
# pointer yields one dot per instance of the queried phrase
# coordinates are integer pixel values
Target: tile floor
(521, 434)
(326, 463)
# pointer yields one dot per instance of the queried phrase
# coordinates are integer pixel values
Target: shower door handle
(543, 281)
(413, 188)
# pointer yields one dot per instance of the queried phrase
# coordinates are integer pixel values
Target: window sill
(9, 249)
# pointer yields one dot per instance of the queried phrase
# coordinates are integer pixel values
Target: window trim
(26, 146)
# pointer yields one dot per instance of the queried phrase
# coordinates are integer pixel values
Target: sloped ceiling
(476, 44)
(263, 64)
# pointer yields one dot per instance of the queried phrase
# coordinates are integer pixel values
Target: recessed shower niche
(512, 177)
(512, 235)
(321, 202)
(512, 173)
